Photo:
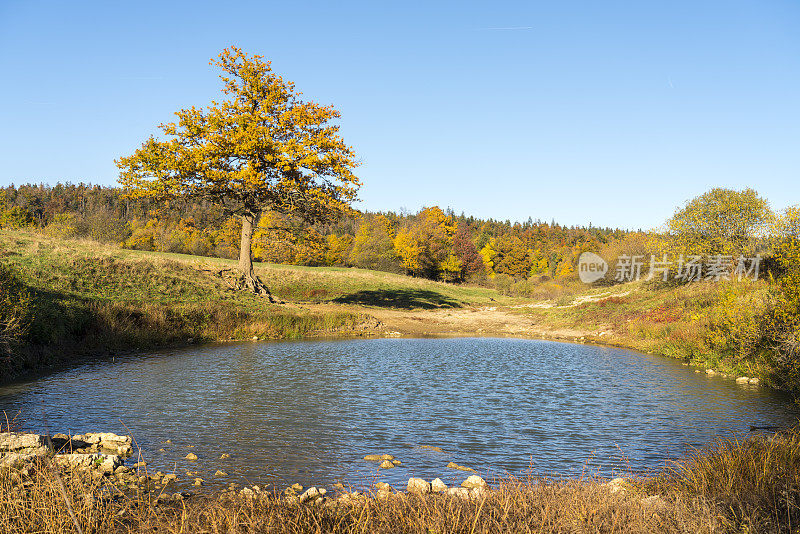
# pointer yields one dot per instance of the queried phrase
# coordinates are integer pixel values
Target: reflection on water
(309, 411)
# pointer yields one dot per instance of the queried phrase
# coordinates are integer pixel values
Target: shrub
(15, 310)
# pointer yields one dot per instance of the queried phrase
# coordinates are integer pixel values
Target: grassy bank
(711, 325)
(87, 298)
(738, 486)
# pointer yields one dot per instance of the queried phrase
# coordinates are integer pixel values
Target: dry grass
(513, 507)
(738, 486)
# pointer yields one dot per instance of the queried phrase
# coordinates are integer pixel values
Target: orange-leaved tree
(262, 148)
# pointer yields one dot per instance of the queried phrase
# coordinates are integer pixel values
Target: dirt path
(473, 321)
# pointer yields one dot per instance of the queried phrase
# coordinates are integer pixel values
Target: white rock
(753, 381)
(438, 486)
(742, 380)
(473, 481)
(14, 441)
(312, 493)
(107, 440)
(418, 485)
(109, 463)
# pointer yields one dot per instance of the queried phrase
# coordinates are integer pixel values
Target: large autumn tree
(262, 148)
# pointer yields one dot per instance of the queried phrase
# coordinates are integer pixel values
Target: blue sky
(613, 113)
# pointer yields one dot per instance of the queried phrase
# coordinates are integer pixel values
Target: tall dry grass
(748, 485)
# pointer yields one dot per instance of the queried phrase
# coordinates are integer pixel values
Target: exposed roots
(238, 281)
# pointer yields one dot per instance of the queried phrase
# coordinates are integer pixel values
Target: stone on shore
(110, 463)
(418, 485)
(473, 481)
(742, 380)
(14, 460)
(753, 381)
(75, 460)
(312, 494)
(106, 440)
(18, 441)
(383, 486)
(437, 486)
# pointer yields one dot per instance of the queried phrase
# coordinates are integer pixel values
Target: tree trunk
(251, 281)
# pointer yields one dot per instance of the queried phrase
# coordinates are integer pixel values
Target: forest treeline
(432, 243)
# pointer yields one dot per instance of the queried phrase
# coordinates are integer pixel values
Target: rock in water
(386, 464)
(378, 457)
(453, 465)
(191, 457)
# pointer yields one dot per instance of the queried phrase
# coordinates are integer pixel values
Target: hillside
(89, 298)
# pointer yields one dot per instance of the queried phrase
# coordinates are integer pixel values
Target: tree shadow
(399, 298)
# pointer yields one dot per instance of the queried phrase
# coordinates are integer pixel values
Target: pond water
(309, 411)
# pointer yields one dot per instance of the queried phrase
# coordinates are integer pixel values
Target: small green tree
(721, 221)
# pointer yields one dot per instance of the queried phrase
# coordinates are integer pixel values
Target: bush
(15, 310)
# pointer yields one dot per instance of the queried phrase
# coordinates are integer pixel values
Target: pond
(309, 411)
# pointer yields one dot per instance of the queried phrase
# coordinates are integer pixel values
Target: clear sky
(613, 113)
